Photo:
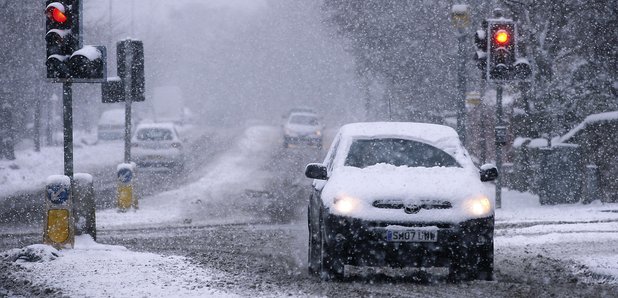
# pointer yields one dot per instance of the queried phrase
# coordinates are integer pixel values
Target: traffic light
(480, 40)
(502, 50)
(132, 50)
(89, 63)
(66, 59)
(62, 36)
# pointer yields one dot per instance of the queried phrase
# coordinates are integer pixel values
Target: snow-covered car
(111, 125)
(303, 129)
(158, 145)
(400, 195)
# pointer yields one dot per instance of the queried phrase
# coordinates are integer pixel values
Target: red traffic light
(56, 13)
(502, 37)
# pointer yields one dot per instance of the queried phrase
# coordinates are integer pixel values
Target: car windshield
(304, 120)
(154, 134)
(397, 152)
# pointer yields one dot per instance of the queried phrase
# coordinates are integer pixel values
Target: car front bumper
(363, 243)
(311, 140)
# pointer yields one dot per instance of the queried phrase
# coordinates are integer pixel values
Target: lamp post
(461, 18)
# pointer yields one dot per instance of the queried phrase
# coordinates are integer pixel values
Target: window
(397, 152)
(304, 120)
(154, 134)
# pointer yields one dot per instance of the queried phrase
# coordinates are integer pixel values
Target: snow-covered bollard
(125, 196)
(84, 205)
(59, 226)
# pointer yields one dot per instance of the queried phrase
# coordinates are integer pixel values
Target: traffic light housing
(62, 36)
(67, 60)
(133, 50)
(497, 55)
(502, 50)
(480, 40)
(130, 60)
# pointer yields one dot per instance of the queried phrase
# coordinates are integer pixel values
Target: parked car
(303, 129)
(157, 145)
(111, 125)
(400, 195)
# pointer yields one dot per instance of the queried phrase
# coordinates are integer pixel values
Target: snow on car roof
(439, 136)
(435, 134)
(304, 114)
(168, 125)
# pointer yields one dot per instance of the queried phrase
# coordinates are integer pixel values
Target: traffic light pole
(67, 115)
(127, 110)
(499, 143)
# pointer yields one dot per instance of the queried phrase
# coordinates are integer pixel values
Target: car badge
(411, 209)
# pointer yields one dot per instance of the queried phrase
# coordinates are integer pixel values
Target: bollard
(125, 174)
(592, 184)
(134, 183)
(59, 226)
(84, 205)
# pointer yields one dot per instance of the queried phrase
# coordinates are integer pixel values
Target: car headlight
(346, 204)
(478, 206)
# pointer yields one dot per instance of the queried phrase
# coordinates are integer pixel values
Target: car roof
(304, 114)
(167, 125)
(434, 134)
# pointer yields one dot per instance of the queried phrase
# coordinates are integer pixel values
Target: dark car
(400, 195)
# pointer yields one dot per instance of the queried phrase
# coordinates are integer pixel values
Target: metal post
(67, 115)
(499, 123)
(128, 97)
(37, 124)
(461, 86)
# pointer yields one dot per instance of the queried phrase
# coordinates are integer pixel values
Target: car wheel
(485, 264)
(313, 250)
(331, 265)
(473, 262)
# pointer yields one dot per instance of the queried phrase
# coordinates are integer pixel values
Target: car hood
(405, 184)
(299, 128)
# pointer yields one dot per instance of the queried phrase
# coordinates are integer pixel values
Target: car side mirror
(316, 171)
(488, 172)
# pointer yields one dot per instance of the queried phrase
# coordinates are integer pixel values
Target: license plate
(412, 236)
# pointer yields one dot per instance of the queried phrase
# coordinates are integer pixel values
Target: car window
(331, 155)
(397, 152)
(304, 119)
(154, 134)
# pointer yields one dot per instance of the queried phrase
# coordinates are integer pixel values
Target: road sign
(125, 175)
(57, 193)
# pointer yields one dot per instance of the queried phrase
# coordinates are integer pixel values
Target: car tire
(472, 262)
(331, 265)
(485, 264)
(313, 253)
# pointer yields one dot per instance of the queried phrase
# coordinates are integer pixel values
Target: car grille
(421, 204)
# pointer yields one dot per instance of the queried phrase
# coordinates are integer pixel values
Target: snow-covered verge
(583, 234)
(97, 270)
(30, 169)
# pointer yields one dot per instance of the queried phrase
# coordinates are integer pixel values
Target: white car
(400, 194)
(158, 145)
(303, 128)
(111, 125)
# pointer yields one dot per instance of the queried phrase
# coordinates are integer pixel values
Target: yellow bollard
(59, 227)
(125, 195)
